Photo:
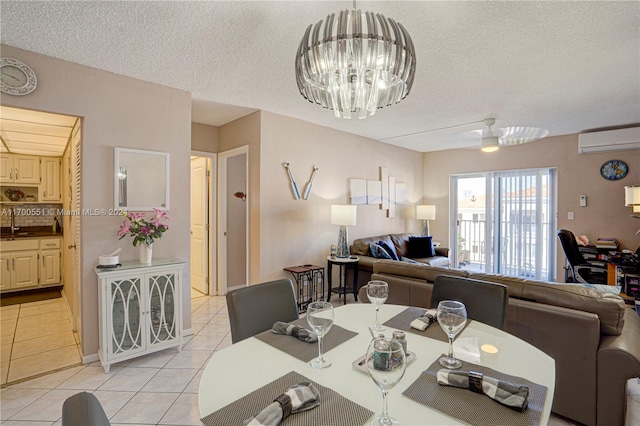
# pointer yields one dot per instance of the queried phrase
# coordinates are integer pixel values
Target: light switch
(583, 201)
(570, 216)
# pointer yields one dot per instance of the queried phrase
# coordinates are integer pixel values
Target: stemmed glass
(386, 364)
(320, 319)
(377, 292)
(452, 316)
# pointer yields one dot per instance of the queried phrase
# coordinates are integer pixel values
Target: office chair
(83, 409)
(485, 302)
(256, 308)
(581, 270)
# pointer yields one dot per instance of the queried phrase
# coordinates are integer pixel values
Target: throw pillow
(421, 247)
(406, 259)
(378, 252)
(613, 289)
(390, 249)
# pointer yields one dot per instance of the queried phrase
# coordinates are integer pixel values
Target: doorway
(202, 224)
(233, 219)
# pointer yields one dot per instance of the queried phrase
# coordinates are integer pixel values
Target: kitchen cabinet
(50, 187)
(30, 263)
(20, 169)
(140, 309)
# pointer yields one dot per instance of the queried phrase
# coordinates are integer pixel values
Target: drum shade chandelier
(356, 63)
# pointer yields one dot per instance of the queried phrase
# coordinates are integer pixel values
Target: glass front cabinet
(140, 310)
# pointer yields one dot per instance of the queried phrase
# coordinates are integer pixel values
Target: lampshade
(632, 195)
(356, 63)
(343, 215)
(426, 212)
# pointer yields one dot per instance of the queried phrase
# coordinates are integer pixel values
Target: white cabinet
(30, 263)
(50, 187)
(20, 169)
(139, 309)
(19, 266)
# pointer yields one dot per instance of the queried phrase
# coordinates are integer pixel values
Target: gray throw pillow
(378, 252)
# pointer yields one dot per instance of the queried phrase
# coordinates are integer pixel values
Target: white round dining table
(241, 368)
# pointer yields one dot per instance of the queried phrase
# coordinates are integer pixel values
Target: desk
(343, 289)
(254, 364)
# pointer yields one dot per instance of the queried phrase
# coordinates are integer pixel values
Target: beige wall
(605, 214)
(296, 232)
(205, 138)
(117, 112)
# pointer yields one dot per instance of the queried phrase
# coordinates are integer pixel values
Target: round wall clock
(16, 77)
(614, 170)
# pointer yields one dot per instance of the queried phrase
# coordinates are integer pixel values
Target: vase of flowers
(144, 231)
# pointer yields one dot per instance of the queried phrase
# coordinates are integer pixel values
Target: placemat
(302, 350)
(334, 409)
(402, 321)
(475, 408)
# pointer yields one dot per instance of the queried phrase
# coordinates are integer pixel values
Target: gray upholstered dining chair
(83, 409)
(485, 302)
(255, 308)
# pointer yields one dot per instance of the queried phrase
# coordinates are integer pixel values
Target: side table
(343, 263)
(309, 278)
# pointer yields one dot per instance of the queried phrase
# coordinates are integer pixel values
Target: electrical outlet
(570, 216)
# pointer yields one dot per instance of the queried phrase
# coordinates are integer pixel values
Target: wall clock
(16, 77)
(614, 170)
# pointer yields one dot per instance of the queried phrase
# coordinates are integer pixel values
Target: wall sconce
(343, 215)
(426, 213)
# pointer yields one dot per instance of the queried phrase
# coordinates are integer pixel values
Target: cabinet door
(49, 267)
(5, 271)
(6, 167)
(50, 189)
(24, 268)
(163, 315)
(26, 169)
(124, 317)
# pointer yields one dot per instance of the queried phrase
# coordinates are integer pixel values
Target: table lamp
(632, 197)
(343, 215)
(426, 213)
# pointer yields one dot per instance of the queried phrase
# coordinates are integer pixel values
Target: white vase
(146, 253)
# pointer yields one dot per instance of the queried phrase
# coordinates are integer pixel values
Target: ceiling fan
(513, 135)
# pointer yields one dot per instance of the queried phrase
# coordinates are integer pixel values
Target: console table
(307, 277)
(139, 309)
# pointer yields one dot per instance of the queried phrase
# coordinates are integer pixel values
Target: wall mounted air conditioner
(609, 140)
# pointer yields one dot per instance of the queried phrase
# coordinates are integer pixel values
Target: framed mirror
(141, 180)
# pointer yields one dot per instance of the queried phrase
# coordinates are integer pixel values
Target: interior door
(199, 225)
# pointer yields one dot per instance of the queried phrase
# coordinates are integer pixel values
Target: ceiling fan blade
(519, 134)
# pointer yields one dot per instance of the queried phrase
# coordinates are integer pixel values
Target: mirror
(141, 180)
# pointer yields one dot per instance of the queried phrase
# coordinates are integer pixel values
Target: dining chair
(83, 409)
(255, 308)
(581, 270)
(485, 302)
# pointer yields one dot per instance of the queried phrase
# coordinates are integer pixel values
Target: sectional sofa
(593, 336)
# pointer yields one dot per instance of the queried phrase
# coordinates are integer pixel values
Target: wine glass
(377, 292)
(320, 319)
(452, 316)
(386, 364)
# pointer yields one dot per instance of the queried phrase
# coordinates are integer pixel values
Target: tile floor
(157, 389)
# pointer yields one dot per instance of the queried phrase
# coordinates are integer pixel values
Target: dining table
(238, 370)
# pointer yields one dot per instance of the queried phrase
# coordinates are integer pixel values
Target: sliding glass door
(505, 222)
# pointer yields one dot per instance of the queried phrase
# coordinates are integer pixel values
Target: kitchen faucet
(14, 228)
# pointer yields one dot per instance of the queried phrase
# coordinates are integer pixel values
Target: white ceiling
(563, 66)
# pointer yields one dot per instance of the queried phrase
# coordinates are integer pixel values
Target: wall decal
(374, 192)
(384, 177)
(392, 197)
(358, 191)
(294, 187)
(401, 193)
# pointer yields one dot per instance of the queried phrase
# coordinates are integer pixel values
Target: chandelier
(356, 63)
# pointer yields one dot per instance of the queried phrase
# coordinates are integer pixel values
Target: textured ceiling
(564, 66)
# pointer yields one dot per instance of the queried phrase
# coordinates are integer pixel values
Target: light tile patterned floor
(157, 389)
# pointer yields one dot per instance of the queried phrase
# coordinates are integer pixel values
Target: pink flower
(146, 230)
(124, 228)
(135, 217)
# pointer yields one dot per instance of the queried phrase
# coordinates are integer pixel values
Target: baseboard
(88, 359)
(187, 332)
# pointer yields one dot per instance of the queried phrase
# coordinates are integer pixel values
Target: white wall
(118, 112)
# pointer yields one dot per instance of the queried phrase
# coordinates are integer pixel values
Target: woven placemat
(475, 408)
(334, 409)
(302, 350)
(402, 321)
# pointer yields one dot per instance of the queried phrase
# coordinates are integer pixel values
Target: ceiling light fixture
(356, 63)
(490, 141)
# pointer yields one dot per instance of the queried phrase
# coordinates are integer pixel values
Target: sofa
(593, 336)
(361, 247)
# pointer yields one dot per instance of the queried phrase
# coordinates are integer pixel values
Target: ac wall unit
(609, 140)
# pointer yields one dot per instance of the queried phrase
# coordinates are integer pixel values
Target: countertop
(28, 232)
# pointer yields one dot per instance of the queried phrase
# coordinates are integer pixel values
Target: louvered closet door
(76, 171)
